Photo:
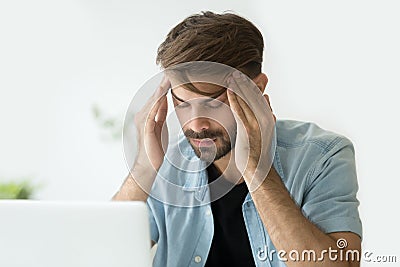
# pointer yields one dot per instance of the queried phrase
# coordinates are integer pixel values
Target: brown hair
(224, 38)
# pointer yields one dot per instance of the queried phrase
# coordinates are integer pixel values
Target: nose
(199, 124)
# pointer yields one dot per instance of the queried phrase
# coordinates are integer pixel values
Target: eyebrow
(219, 93)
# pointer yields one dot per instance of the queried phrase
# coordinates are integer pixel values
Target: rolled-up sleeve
(330, 200)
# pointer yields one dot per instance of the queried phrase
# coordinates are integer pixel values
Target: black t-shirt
(230, 245)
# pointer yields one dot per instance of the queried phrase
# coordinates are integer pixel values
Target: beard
(215, 152)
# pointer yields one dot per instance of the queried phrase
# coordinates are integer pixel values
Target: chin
(210, 156)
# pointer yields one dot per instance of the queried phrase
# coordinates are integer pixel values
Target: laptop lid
(73, 234)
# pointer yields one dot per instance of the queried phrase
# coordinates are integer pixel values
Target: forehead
(197, 89)
(198, 82)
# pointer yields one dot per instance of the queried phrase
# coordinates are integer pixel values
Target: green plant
(16, 190)
(112, 125)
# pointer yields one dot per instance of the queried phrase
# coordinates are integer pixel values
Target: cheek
(227, 119)
(230, 126)
(183, 119)
(180, 113)
(227, 126)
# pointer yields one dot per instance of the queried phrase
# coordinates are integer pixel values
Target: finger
(266, 97)
(248, 90)
(246, 110)
(239, 84)
(151, 117)
(234, 104)
(162, 110)
(160, 119)
(162, 90)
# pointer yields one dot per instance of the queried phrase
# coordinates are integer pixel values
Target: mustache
(203, 134)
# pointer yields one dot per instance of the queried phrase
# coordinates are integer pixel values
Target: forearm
(287, 227)
(131, 191)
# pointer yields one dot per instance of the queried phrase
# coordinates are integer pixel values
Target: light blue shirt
(316, 166)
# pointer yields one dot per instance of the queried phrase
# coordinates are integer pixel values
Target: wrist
(256, 177)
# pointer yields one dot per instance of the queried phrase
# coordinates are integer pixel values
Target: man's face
(207, 121)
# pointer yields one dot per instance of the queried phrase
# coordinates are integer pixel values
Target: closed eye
(214, 103)
(182, 105)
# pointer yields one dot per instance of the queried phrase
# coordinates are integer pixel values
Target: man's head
(202, 107)
(224, 38)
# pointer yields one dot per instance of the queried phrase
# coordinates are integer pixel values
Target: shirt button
(197, 259)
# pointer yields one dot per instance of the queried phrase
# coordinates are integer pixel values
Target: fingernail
(236, 74)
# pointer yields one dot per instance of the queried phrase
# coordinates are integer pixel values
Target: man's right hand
(152, 145)
(152, 130)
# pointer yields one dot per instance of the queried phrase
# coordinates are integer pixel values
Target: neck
(227, 166)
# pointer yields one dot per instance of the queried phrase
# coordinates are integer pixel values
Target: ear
(261, 81)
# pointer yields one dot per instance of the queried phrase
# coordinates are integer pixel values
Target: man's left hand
(255, 129)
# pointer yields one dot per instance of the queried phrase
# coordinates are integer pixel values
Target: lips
(206, 142)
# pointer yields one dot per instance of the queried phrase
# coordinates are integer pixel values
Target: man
(302, 211)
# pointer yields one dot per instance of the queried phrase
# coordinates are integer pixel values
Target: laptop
(73, 234)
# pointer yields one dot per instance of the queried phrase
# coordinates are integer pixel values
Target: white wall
(334, 63)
